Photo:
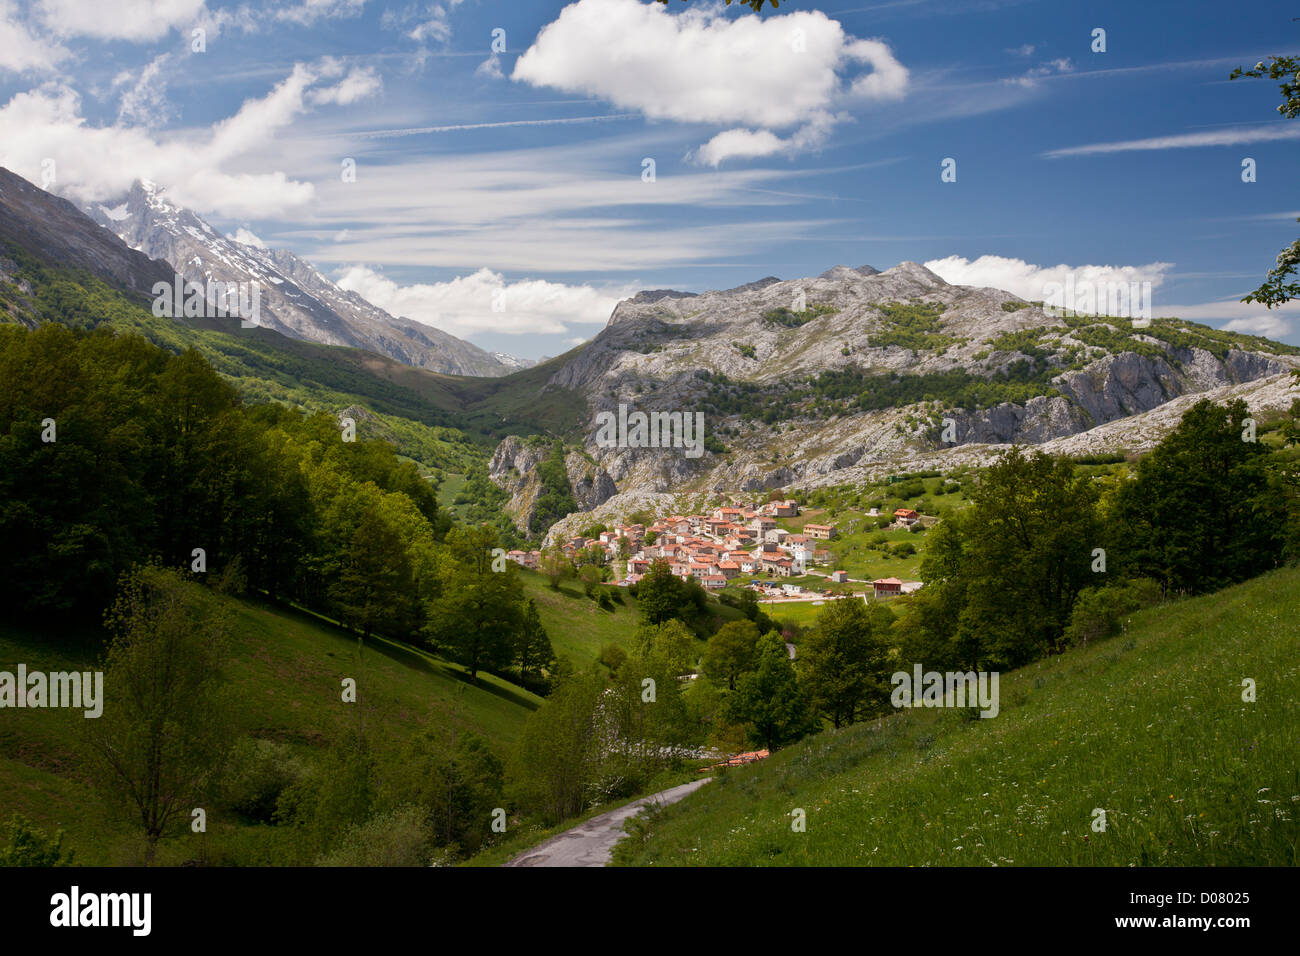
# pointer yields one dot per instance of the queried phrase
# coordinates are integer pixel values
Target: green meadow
(1149, 727)
(287, 668)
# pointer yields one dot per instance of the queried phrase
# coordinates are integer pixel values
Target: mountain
(55, 230)
(296, 299)
(512, 362)
(824, 380)
(834, 379)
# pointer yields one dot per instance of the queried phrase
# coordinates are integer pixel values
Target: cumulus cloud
(98, 163)
(20, 49)
(749, 144)
(484, 301)
(1267, 324)
(1028, 281)
(135, 20)
(744, 143)
(757, 75)
(247, 237)
(1248, 317)
(361, 83)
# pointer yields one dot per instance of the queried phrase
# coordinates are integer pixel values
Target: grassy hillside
(445, 420)
(1149, 726)
(577, 626)
(287, 667)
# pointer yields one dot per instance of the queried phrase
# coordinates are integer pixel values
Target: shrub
(399, 837)
(1098, 611)
(612, 656)
(256, 773)
(27, 846)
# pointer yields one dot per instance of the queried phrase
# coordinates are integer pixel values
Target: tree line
(116, 453)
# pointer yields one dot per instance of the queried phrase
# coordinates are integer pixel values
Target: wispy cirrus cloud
(502, 124)
(1219, 137)
(1030, 78)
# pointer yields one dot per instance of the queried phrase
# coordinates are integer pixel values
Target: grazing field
(577, 625)
(1149, 726)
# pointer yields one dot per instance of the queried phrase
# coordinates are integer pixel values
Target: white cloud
(201, 168)
(432, 20)
(1220, 137)
(1051, 67)
(309, 11)
(700, 66)
(1268, 324)
(1249, 317)
(749, 144)
(145, 102)
(485, 302)
(1028, 281)
(136, 20)
(745, 143)
(572, 208)
(20, 49)
(247, 237)
(359, 84)
(1024, 50)
(491, 68)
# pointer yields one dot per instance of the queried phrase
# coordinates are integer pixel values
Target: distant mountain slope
(56, 265)
(296, 299)
(803, 379)
(55, 230)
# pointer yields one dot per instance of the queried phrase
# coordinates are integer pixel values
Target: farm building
(887, 587)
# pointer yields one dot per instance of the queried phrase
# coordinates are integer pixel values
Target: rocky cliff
(513, 467)
(811, 381)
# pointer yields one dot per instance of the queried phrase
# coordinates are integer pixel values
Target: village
(732, 545)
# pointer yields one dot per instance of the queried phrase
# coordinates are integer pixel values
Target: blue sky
(782, 144)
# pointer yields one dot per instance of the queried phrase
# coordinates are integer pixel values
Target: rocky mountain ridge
(940, 354)
(296, 299)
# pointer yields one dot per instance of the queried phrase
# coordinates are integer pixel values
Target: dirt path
(592, 843)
